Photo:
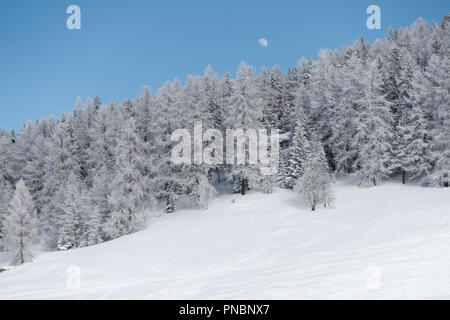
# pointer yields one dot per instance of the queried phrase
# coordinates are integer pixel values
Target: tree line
(372, 112)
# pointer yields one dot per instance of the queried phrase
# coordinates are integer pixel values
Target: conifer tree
(245, 113)
(438, 87)
(315, 184)
(374, 134)
(5, 195)
(21, 226)
(413, 147)
(81, 218)
(299, 153)
(132, 191)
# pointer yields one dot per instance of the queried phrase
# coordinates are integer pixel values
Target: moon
(263, 42)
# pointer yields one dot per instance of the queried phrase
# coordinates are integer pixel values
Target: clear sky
(124, 45)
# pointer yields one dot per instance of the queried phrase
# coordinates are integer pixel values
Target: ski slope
(390, 242)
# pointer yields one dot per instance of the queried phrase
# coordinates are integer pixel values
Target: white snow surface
(389, 242)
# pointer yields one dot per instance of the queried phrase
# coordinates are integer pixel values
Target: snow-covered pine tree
(132, 191)
(81, 226)
(392, 71)
(5, 196)
(169, 118)
(145, 112)
(320, 95)
(326, 178)
(281, 174)
(6, 160)
(374, 133)
(269, 120)
(363, 50)
(226, 90)
(267, 83)
(34, 173)
(20, 152)
(5, 185)
(215, 98)
(299, 152)
(81, 125)
(92, 106)
(444, 30)
(203, 97)
(276, 113)
(269, 161)
(30, 155)
(420, 40)
(301, 100)
(344, 119)
(413, 136)
(62, 160)
(397, 75)
(21, 225)
(315, 184)
(245, 107)
(293, 83)
(105, 128)
(263, 82)
(404, 114)
(213, 111)
(269, 180)
(438, 86)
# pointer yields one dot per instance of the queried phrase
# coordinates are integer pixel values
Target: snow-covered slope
(387, 242)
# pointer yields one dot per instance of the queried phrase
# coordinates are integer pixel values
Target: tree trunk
(22, 258)
(404, 177)
(243, 187)
(313, 207)
(218, 175)
(169, 205)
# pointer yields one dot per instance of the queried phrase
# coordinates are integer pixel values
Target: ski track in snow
(264, 247)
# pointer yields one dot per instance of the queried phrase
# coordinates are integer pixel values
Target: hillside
(265, 247)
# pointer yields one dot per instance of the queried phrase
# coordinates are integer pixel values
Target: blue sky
(124, 45)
